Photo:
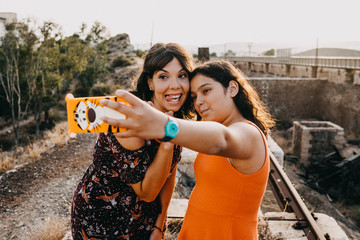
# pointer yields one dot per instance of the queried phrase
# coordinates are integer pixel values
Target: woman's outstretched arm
(208, 137)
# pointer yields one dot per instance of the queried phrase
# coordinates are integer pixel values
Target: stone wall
(277, 69)
(357, 77)
(340, 104)
(300, 71)
(291, 99)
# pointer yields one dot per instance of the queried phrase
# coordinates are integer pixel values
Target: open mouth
(173, 98)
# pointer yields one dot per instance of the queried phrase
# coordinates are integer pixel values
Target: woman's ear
(150, 83)
(233, 88)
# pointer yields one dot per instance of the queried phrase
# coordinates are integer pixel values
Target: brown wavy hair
(247, 99)
(157, 58)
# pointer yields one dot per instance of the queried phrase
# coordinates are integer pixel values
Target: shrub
(53, 228)
(101, 89)
(121, 61)
(140, 53)
(270, 52)
(81, 91)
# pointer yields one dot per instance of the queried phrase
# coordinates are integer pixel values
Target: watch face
(172, 129)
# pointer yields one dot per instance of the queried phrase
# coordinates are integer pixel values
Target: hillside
(329, 52)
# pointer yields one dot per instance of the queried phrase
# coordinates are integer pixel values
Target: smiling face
(171, 86)
(211, 100)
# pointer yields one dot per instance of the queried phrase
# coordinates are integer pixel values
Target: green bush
(81, 91)
(140, 53)
(270, 52)
(100, 89)
(121, 61)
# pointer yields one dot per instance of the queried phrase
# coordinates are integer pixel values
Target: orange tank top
(225, 202)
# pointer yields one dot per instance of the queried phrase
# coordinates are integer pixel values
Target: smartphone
(84, 115)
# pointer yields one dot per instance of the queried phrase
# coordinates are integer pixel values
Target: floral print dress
(104, 205)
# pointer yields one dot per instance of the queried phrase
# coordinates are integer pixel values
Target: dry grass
(6, 162)
(52, 228)
(263, 229)
(56, 137)
(173, 228)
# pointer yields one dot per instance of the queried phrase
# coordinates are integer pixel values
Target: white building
(6, 17)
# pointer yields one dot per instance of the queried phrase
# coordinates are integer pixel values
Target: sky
(203, 22)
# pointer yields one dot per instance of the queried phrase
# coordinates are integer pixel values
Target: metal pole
(152, 33)
(317, 52)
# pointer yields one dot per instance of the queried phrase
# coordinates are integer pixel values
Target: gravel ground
(42, 189)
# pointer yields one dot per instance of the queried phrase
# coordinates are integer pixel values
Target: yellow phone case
(84, 114)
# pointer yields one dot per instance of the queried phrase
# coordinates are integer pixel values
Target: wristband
(156, 227)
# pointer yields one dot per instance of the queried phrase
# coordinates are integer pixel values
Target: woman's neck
(234, 117)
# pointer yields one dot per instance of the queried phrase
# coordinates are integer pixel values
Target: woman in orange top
(232, 166)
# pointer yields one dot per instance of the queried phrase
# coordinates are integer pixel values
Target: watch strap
(165, 139)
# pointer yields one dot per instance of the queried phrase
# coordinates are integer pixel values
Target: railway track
(290, 201)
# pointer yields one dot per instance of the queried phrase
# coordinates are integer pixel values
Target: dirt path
(42, 189)
(22, 123)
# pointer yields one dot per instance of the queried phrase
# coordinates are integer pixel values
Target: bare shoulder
(251, 148)
(248, 135)
(244, 129)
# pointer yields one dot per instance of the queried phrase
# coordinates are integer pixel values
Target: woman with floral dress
(126, 190)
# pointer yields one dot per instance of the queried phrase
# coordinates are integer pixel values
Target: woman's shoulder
(245, 126)
(247, 131)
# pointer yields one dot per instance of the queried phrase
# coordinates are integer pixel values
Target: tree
(97, 34)
(270, 52)
(91, 67)
(46, 77)
(36, 70)
(15, 47)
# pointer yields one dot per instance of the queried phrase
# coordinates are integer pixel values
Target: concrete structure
(6, 18)
(335, 70)
(272, 225)
(203, 54)
(276, 150)
(9, 17)
(315, 139)
(279, 225)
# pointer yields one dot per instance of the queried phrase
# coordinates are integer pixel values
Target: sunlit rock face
(120, 45)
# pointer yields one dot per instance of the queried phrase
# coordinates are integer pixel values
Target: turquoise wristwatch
(171, 130)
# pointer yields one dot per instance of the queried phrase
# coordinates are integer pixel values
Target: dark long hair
(246, 100)
(157, 58)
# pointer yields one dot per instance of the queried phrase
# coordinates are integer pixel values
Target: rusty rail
(290, 201)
